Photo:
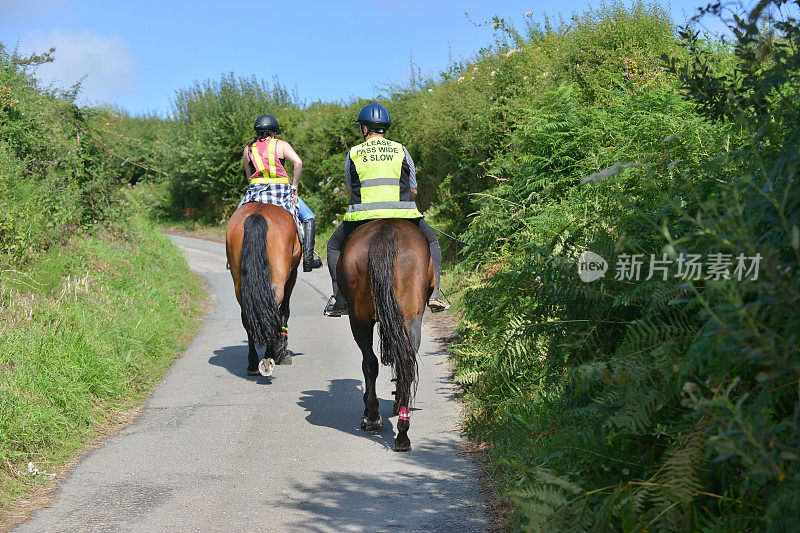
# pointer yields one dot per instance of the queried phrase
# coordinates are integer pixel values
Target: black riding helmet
(267, 123)
(375, 117)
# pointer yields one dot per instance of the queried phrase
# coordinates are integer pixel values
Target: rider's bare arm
(246, 163)
(291, 155)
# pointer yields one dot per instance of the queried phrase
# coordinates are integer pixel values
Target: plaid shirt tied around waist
(279, 194)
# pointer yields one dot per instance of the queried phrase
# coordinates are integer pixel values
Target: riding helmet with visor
(375, 117)
(266, 123)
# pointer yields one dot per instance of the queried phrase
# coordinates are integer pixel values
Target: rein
(447, 234)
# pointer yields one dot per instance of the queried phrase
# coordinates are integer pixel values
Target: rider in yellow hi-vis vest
(381, 182)
(377, 187)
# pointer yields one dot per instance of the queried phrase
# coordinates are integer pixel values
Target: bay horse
(386, 275)
(263, 250)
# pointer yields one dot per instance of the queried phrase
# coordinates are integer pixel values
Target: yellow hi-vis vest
(269, 174)
(380, 189)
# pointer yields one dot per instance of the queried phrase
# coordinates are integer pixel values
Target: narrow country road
(215, 450)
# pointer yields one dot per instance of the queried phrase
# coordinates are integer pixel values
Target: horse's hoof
(253, 372)
(404, 446)
(266, 366)
(285, 360)
(375, 425)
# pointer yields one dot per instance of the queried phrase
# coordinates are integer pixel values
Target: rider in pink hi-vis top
(263, 163)
(268, 167)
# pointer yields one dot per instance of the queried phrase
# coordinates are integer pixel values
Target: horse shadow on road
(234, 360)
(433, 488)
(341, 406)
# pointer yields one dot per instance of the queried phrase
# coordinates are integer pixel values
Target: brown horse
(263, 251)
(386, 275)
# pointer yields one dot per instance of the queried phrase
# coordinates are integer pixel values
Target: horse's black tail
(396, 347)
(260, 314)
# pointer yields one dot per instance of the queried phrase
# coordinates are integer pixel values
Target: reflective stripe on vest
(379, 165)
(268, 176)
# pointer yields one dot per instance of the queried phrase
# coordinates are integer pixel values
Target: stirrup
(317, 261)
(437, 305)
(332, 310)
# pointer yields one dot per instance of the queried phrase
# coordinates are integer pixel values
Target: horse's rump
(263, 253)
(282, 237)
(412, 281)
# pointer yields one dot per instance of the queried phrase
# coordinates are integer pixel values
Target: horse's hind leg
(362, 333)
(402, 443)
(252, 357)
(414, 328)
(282, 351)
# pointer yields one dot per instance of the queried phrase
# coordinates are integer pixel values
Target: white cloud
(106, 62)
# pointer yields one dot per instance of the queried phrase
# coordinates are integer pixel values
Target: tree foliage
(57, 175)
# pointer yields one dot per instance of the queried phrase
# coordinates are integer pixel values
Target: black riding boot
(435, 302)
(309, 262)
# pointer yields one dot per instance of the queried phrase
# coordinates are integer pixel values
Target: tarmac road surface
(215, 450)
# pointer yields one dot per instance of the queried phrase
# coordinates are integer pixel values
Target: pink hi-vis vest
(272, 171)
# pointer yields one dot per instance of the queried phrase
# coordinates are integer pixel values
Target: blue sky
(136, 54)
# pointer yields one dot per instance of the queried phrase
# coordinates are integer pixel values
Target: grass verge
(198, 230)
(85, 333)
